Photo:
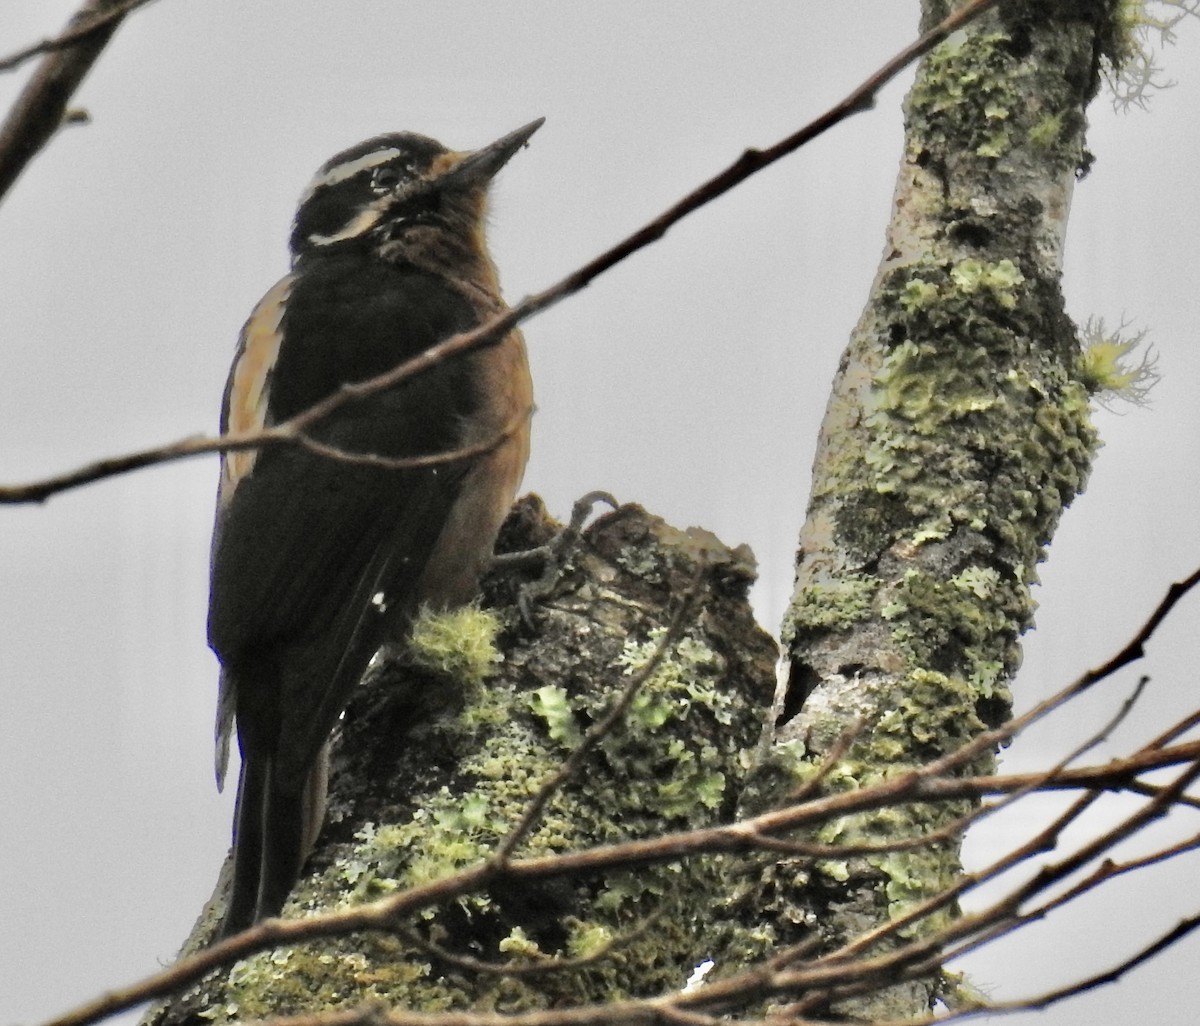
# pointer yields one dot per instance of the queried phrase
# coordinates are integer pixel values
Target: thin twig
(542, 966)
(434, 459)
(40, 108)
(287, 433)
(81, 30)
(924, 955)
(1003, 917)
(1160, 944)
(381, 915)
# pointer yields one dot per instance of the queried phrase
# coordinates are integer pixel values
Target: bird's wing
(304, 543)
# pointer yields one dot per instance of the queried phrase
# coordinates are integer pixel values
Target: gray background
(691, 379)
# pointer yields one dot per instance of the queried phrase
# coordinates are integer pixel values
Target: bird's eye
(384, 179)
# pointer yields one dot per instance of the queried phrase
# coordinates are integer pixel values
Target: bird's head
(401, 191)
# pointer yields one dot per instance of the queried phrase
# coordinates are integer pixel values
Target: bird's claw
(553, 555)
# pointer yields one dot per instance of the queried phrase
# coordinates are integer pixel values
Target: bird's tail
(274, 830)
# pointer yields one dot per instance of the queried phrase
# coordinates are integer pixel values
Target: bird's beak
(477, 167)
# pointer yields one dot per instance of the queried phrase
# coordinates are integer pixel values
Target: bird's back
(323, 551)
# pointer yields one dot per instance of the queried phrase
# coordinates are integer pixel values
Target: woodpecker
(318, 557)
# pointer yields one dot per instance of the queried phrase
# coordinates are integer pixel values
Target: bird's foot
(552, 556)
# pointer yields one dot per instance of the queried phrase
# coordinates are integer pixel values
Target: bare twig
(42, 104)
(543, 965)
(1005, 915)
(838, 976)
(80, 30)
(749, 163)
(743, 836)
(434, 459)
(1160, 944)
(289, 433)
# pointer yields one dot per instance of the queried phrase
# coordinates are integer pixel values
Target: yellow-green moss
(668, 765)
(459, 643)
(1106, 367)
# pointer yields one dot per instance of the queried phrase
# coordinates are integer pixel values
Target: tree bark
(430, 773)
(957, 432)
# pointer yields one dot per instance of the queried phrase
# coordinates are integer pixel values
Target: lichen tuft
(459, 643)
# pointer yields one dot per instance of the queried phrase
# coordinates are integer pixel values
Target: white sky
(691, 379)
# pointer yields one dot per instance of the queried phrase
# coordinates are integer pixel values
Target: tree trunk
(957, 432)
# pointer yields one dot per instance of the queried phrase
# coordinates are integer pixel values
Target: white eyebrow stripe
(340, 172)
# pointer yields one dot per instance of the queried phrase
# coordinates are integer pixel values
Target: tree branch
(84, 27)
(39, 111)
(757, 833)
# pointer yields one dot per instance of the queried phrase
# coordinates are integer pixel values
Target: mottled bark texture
(431, 772)
(957, 432)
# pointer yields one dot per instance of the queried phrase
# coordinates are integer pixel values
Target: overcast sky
(692, 379)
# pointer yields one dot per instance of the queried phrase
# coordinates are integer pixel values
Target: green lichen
(668, 764)
(448, 831)
(674, 774)
(915, 877)
(965, 622)
(963, 94)
(1137, 30)
(292, 980)
(1049, 131)
(909, 877)
(933, 713)
(459, 643)
(972, 421)
(688, 674)
(552, 704)
(918, 294)
(1105, 366)
(519, 944)
(999, 279)
(589, 939)
(836, 603)
(971, 102)
(959, 431)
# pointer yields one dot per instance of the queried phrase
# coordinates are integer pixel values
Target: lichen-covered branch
(957, 432)
(439, 757)
(721, 916)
